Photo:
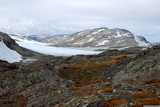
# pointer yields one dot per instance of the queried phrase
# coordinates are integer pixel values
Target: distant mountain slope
(102, 37)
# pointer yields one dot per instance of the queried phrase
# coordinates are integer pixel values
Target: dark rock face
(102, 37)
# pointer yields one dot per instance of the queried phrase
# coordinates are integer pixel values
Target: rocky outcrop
(146, 63)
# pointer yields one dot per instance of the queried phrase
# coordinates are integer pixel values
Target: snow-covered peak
(8, 55)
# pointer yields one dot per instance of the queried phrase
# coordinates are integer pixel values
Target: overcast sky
(142, 17)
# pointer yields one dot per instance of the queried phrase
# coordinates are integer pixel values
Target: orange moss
(89, 93)
(157, 84)
(75, 88)
(92, 68)
(19, 96)
(153, 81)
(141, 95)
(99, 81)
(108, 90)
(99, 94)
(150, 101)
(6, 94)
(138, 88)
(38, 80)
(78, 84)
(115, 102)
(23, 89)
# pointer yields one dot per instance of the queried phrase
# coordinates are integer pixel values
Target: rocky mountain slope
(123, 78)
(102, 37)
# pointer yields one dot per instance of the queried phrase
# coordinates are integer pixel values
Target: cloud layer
(68, 16)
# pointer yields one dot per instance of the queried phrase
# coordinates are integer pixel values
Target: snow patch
(119, 41)
(127, 35)
(118, 35)
(102, 43)
(98, 31)
(80, 33)
(79, 43)
(8, 55)
(91, 39)
(121, 35)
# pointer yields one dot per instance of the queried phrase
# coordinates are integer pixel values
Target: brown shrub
(141, 95)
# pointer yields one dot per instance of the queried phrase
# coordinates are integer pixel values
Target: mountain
(102, 37)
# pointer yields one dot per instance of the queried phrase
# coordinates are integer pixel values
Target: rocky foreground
(114, 78)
